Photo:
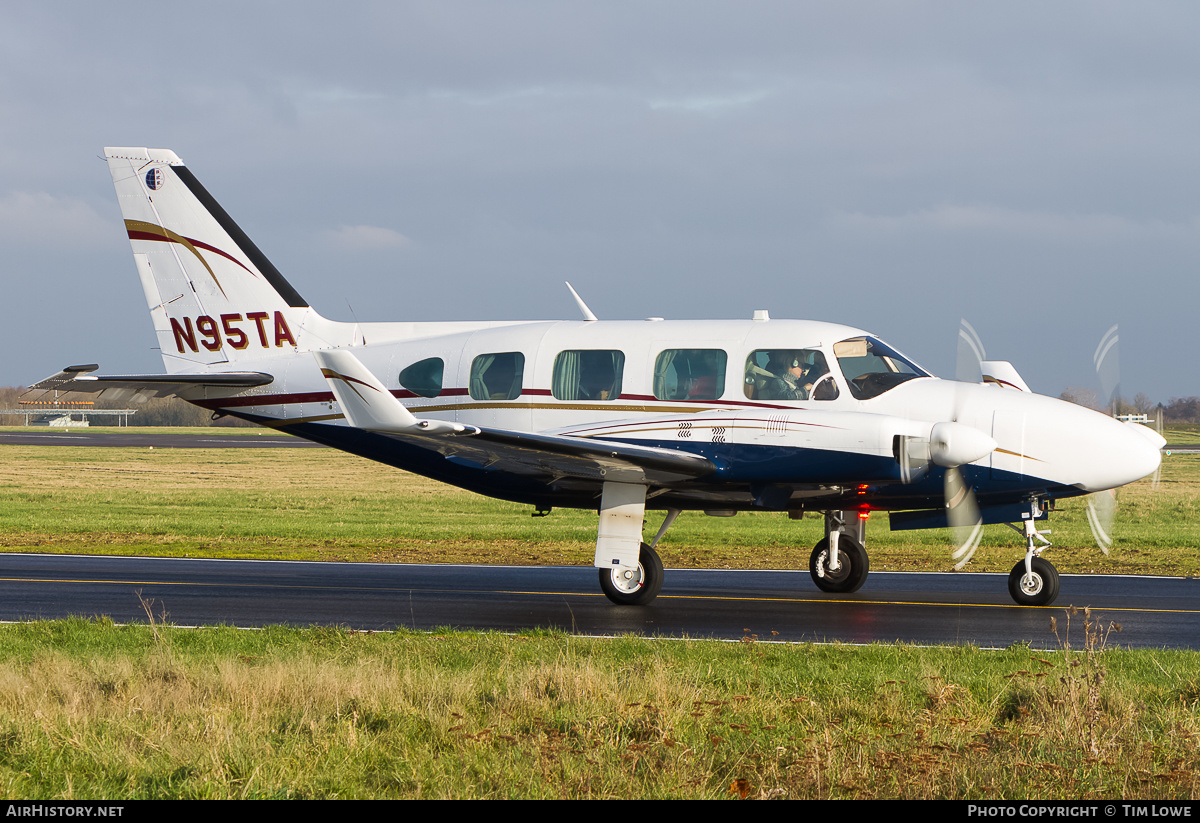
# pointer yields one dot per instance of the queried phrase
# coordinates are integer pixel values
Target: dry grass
(99, 711)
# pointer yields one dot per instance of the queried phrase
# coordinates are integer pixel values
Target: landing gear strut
(839, 563)
(1034, 580)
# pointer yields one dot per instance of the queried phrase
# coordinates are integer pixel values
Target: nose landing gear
(1035, 584)
(1034, 580)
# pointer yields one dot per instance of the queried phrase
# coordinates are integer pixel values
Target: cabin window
(424, 378)
(871, 367)
(497, 376)
(690, 374)
(789, 374)
(587, 375)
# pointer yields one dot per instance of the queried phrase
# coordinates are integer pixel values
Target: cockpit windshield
(871, 367)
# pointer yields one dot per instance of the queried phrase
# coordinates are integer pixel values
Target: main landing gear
(626, 586)
(839, 563)
(631, 572)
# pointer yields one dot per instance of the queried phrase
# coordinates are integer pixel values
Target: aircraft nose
(1124, 453)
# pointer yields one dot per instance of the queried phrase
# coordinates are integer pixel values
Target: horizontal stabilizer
(141, 386)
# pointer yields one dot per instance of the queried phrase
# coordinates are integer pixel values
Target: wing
(368, 405)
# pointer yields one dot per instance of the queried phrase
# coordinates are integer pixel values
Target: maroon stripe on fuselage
(404, 394)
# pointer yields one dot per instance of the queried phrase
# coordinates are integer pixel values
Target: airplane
(720, 416)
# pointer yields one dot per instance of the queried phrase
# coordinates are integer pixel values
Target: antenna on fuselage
(583, 307)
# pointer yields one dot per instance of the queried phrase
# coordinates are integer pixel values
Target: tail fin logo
(141, 230)
(155, 179)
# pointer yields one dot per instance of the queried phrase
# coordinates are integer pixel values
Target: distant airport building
(76, 413)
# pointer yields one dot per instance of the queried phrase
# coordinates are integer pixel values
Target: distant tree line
(169, 411)
(1177, 410)
(1183, 410)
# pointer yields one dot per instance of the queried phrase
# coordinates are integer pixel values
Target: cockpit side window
(789, 374)
(871, 367)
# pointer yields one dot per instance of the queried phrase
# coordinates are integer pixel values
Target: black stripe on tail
(260, 261)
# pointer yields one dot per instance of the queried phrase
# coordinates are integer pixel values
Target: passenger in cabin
(707, 375)
(596, 387)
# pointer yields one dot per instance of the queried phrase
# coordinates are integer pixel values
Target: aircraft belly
(780, 463)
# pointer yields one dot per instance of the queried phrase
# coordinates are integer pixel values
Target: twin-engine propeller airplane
(617, 416)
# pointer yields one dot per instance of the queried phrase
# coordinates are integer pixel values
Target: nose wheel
(1033, 586)
(627, 586)
(1034, 580)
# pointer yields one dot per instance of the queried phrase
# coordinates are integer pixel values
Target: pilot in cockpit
(791, 380)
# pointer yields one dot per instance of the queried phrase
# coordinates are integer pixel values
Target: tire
(638, 590)
(1040, 589)
(853, 566)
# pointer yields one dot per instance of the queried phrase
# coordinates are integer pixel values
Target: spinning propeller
(951, 445)
(962, 511)
(1102, 506)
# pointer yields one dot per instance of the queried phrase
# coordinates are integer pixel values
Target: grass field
(94, 710)
(317, 504)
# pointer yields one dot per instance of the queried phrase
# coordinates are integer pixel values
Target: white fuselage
(1043, 444)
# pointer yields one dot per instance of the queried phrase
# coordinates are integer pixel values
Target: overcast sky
(894, 166)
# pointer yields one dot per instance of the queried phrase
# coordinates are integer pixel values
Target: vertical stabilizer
(214, 297)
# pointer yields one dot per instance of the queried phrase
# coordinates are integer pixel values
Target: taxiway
(769, 605)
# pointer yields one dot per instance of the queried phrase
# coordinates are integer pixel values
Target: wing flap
(557, 456)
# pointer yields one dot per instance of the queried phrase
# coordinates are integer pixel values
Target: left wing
(368, 405)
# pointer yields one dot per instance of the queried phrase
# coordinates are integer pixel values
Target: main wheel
(1036, 589)
(853, 566)
(627, 587)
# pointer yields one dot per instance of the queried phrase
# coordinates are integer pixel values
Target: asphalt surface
(928, 609)
(959, 608)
